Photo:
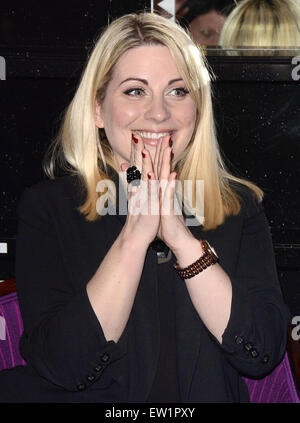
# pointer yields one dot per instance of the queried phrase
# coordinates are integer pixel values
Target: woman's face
(206, 29)
(147, 96)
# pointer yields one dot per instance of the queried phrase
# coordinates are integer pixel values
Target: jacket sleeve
(62, 340)
(254, 340)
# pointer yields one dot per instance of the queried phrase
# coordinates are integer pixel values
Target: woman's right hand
(143, 217)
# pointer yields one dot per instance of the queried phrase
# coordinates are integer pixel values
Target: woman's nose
(157, 110)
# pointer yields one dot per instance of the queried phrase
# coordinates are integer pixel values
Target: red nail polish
(135, 139)
(170, 142)
(149, 176)
(144, 155)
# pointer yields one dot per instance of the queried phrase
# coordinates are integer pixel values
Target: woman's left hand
(172, 229)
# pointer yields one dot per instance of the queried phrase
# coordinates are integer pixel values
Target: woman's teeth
(153, 135)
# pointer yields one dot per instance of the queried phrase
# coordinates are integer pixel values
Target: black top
(165, 386)
(70, 360)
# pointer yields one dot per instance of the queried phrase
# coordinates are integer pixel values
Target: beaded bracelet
(207, 259)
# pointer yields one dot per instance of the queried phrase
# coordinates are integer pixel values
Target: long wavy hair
(262, 23)
(81, 148)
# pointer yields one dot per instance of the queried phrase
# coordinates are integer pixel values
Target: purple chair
(277, 387)
(11, 330)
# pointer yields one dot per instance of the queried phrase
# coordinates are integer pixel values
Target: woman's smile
(151, 138)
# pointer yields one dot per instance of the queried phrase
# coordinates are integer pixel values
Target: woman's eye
(179, 92)
(134, 92)
(208, 34)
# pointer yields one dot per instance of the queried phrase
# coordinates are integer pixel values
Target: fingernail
(144, 155)
(170, 142)
(135, 139)
(149, 175)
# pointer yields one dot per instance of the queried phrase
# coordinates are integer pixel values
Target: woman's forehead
(146, 60)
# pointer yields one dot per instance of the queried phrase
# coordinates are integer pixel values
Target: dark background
(59, 23)
(256, 104)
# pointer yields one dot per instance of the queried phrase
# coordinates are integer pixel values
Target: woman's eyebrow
(144, 81)
(175, 80)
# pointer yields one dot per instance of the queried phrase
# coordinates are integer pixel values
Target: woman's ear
(98, 117)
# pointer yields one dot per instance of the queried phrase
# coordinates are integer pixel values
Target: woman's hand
(142, 221)
(151, 209)
(172, 229)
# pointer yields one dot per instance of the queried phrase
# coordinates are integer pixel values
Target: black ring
(133, 175)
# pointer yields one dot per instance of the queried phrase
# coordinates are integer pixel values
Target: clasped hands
(153, 208)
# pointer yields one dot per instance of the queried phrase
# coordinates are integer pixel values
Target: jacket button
(90, 378)
(98, 368)
(265, 358)
(248, 347)
(105, 357)
(239, 340)
(254, 353)
(81, 387)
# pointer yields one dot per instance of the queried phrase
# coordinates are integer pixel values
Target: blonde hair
(262, 23)
(82, 149)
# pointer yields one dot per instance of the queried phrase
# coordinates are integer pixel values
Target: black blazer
(69, 359)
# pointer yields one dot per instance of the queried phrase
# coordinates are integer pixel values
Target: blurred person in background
(204, 18)
(263, 23)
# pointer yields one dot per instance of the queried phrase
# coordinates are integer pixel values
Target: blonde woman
(263, 23)
(139, 307)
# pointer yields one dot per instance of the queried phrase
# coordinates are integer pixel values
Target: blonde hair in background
(82, 149)
(262, 23)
